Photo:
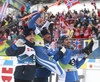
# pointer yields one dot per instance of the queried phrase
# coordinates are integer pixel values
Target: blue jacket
(27, 6)
(71, 67)
(41, 54)
(43, 72)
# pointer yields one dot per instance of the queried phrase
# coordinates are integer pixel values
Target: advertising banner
(6, 73)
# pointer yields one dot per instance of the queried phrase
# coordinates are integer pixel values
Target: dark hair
(63, 38)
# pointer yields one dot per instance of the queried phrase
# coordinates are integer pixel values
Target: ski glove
(20, 43)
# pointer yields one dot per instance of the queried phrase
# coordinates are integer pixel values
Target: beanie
(63, 37)
(28, 32)
(45, 31)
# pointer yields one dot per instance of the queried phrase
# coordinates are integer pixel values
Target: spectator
(82, 31)
(87, 33)
(56, 34)
(98, 36)
(13, 35)
(93, 35)
(98, 12)
(22, 10)
(77, 32)
(18, 16)
(28, 4)
(83, 23)
(2, 37)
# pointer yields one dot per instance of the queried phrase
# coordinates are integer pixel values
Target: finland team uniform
(41, 56)
(71, 67)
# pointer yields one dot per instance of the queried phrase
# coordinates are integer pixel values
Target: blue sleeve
(31, 23)
(54, 53)
(77, 51)
(66, 58)
(79, 63)
(14, 51)
(46, 61)
(14, 47)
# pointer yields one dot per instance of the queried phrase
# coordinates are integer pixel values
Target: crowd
(85, 24)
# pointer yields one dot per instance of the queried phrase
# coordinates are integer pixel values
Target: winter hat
(63, 37)
(28, 32)
(45, 31)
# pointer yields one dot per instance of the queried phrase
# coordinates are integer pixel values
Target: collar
(29, 43)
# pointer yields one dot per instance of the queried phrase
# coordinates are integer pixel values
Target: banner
(3, 46)
(6, 73)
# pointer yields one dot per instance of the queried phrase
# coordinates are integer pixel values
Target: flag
(3, 9)
(3, 46)
(15, 40)
(93, 3)
(62, 21)
(77, 43)
(70, 3)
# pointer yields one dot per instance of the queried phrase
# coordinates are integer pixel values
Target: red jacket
(77, 33)
(98, 14)
(22, 8)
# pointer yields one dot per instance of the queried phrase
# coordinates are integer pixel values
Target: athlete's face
(39, 21)
(67, 42)
(30, 38)
(47, 37)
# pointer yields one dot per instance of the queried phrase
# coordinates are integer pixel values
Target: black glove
(60, 53)
(45, 8)
(88, 48)
(86, 51)
(62, 50)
